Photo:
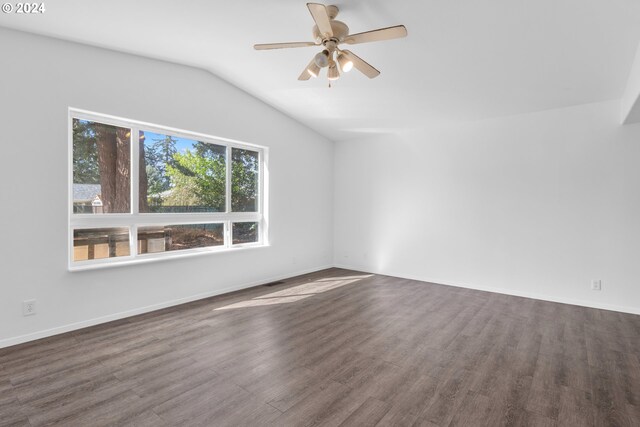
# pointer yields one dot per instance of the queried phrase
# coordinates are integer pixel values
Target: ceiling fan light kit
(345, 63)
(333, 73)
(330, 33)
(322, 59)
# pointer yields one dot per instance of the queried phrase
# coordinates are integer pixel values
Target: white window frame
(135, 219)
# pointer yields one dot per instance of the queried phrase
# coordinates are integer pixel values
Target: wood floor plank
(576, 408)
(414, 396)
(220, 404)
(145, 419)
(634, 414)
(53, 386)
(531, 419)
(474, 411)
(609, 407)
(331, 403)
(281, 388)
(450, 394)
(397, 419)
(626, 372)
(121, 409)
(11, 411)
(368, 414)
(66, 405)
(159, 387)
(335, 347)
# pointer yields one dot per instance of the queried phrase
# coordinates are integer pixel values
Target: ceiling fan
(330, 33)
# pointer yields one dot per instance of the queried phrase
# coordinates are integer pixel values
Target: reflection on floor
(297, 293)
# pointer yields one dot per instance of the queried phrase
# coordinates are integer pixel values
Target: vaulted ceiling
(462, 60)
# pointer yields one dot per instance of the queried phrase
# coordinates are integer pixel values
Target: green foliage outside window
(178, 175)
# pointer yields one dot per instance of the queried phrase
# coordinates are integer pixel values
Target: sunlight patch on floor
(296, 293)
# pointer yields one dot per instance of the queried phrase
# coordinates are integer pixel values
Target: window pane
(245, 232)
(244, 184)
(180, 174)
(98, 243)
(178, 237)
(101, 168)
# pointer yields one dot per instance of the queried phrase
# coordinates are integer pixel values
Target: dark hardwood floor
(335, 348)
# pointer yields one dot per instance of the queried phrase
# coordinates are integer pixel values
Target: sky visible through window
(182, 144)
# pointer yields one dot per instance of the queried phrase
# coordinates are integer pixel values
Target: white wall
(533, 205)
(39, 79)
(630, 102)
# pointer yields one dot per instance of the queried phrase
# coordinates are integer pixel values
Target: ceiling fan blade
(265, 46)
(363, 66)
(321, 17)
(306, 75)
(377, 35)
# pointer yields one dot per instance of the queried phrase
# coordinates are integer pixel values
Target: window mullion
(227, 224)
(135, 170)
(135, 188)
(261, 198)
(133, 240)
(228, 180)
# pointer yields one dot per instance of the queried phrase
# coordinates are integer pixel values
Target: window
(144, 192)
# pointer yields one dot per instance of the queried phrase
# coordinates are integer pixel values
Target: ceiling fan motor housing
(340, 32)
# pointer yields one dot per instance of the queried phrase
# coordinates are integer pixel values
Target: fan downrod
(332, 11)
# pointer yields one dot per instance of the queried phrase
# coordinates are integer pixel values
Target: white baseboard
(532, 295)
(8, 342)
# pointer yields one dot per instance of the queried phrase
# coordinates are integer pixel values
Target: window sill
(163, 256)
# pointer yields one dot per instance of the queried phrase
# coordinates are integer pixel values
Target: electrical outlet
(29, 307)
(596, 285)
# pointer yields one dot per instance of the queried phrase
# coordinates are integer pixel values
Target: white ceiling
(463, 60)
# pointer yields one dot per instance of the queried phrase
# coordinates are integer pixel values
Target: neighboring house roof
(85, 191)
